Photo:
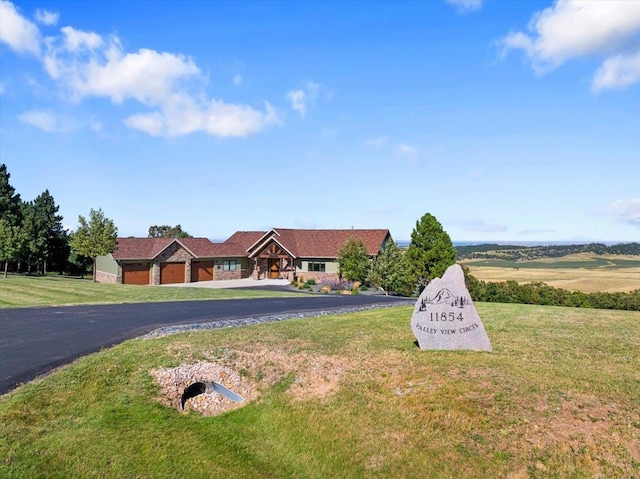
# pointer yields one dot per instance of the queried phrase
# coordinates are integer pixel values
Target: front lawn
(348, 396)
(19, 290)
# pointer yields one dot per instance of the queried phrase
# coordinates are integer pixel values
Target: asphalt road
(34, 341)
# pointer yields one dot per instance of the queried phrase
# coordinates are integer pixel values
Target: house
(277, 253)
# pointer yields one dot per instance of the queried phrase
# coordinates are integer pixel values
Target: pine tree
(94, 238)
(43, 227)
(430, 253)
(10, 202)
(12, 238)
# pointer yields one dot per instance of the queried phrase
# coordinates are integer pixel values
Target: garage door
(202, 271)
(135, 273)
(171, 273)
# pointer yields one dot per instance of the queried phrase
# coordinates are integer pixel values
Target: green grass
(18, 290)
(558, 397)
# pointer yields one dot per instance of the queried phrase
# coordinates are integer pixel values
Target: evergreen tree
(10, 202)
(43, 228)
(389, 270)
(94, 238)
(11, 235)
(353, 260)
(430, 252)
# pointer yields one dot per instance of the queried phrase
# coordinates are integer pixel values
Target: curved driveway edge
(36, 340)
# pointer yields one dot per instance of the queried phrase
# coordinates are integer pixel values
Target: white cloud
(183, 116)
(86, 64)
(77, 40)
(298, 99)
(302, 98)
(377, 142)
(96, 125)
(627, 211)
(45, 17)
(1, 88)
(237, 80)
(465, 6)
(409, 152)
(617, 72)
(47, 121)
(20, 34)
(484, 226)
(582, 28)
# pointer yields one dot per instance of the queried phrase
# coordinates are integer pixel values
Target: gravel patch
(230, 323)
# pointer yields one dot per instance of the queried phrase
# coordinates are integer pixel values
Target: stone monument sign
(445, 318)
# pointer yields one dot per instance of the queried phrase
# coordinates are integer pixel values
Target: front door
(274, 268)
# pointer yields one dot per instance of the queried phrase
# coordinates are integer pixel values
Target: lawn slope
(349, 396)
(19, 290)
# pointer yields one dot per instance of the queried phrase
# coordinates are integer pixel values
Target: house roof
(300, 243)
(140, 248)
(317, 243)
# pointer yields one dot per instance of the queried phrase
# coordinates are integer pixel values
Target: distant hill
(522, 253)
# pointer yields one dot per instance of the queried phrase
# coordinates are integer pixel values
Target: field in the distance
(349, 396)
(586, 272)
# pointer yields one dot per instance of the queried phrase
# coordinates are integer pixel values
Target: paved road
(35, 340)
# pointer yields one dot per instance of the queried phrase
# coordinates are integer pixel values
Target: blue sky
(509, 121)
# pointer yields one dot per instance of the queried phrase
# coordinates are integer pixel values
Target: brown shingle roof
(325, 243)
(301, 243)
(149, 248)
(140, 248)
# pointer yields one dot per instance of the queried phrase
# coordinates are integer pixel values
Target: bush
(310, 282)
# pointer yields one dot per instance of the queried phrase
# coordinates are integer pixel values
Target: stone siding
(318, 276)
(173, 254)
(102, 277)
(222, 275)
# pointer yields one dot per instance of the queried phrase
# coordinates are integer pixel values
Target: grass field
(18, 290)
(580, 272)
(349, 396)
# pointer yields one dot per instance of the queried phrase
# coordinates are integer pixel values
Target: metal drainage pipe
(201, 387)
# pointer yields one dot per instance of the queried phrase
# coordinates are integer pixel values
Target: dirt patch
(248, 373)
(174, 381)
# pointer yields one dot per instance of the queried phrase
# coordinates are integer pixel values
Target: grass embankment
(579, 272)
(18, 290)
(351, 397)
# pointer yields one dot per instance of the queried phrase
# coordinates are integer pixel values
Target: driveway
(36, 340)
(233, 283)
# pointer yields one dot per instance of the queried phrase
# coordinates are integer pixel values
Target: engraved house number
(445, 317)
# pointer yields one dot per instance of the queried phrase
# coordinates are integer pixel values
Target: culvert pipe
(201, 387)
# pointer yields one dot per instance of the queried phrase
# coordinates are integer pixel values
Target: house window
(229, 265)
(320, 267)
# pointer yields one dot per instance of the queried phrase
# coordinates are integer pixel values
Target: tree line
(543, 294)
(34, 241)
(521, 253)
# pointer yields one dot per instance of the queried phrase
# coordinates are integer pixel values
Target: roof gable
(318, 243)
